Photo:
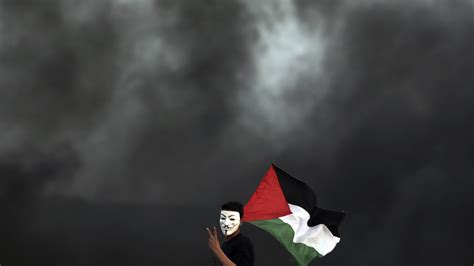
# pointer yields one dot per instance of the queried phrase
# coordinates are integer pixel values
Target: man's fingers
(210, 234)
(215, 232)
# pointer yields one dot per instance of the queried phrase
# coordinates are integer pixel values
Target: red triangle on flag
(268, 201)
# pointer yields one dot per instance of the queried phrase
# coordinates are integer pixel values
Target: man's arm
(215, 246)
(241, 259)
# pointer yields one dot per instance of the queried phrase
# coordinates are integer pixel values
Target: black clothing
(239, 250)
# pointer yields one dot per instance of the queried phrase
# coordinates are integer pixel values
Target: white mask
(229, 221)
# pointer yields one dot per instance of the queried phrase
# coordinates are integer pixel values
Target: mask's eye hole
(232, 219)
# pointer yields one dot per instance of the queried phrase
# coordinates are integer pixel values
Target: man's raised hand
(214, 243)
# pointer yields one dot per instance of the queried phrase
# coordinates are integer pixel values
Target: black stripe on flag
(298, 193)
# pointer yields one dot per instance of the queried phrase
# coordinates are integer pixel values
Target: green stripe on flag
(284, 233)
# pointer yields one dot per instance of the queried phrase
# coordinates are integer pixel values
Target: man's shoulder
(245, 239)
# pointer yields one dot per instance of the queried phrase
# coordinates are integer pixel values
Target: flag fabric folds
(287, 208)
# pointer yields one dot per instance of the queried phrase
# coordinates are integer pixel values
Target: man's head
(231, 214)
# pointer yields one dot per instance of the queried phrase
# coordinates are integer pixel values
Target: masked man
(237, 248)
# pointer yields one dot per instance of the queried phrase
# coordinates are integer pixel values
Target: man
(237, 250)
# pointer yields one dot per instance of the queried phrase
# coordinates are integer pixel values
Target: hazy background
(124, 124)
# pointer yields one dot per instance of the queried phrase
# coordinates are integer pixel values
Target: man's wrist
(218, 251)
(223, 257)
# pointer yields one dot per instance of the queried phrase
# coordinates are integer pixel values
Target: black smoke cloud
(125, 124)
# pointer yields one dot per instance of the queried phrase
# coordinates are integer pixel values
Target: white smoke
(285, 53)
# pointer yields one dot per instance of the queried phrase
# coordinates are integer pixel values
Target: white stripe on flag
(318, 237)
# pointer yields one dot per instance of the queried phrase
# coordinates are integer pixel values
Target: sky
(125, 124)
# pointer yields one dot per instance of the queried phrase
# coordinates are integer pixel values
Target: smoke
(287, 65)
(26, 173)
(184, 104)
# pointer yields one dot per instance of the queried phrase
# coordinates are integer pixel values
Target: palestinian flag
(286, 208)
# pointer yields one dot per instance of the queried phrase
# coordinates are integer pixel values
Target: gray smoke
(119, 116)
